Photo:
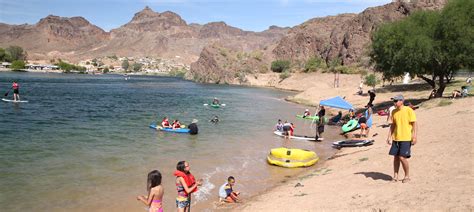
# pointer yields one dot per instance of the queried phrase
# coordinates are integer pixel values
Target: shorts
(16, 91)
(182, 204)
(321, 129)
(401, 148)
(363, 126)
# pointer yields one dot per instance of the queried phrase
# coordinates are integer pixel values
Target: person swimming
(214, 120)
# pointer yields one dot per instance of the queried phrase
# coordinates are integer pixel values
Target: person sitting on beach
(165, 123)
(227, 193)
(155, 192)
(464, 91)
(176, 124)
(456, 93)
(278, 126)
(336, 119)
(215, 101)
(306, 113)
(214, 120)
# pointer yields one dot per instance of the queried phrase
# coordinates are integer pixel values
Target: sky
(252, 15)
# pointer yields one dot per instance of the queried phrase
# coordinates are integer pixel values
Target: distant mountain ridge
(217, 52)
(148, 33)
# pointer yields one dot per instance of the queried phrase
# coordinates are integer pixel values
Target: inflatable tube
(181, 130)
(352, 143)
(351, 125)
(215, 105)
(292, 158)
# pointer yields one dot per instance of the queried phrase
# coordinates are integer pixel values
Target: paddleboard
(352, 143)
(11, 100)
(181, 130)
(300, 137)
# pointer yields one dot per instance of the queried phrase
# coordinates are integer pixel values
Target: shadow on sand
(376, 175)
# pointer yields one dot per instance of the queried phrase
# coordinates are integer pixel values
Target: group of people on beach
(186, 184)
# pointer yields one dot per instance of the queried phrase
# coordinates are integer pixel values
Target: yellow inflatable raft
(292, 158)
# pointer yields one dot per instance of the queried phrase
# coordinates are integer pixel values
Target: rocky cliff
(148, 33)
(52, 35)
(345, 36)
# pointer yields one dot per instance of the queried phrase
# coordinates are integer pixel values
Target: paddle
(6, 94)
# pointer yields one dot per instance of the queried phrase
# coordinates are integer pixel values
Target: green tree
(137, 66)
(371, 80)
(16, 53)
(280, 66)
(431, 45)
(125, 65)
(18, 65)
(2, 54)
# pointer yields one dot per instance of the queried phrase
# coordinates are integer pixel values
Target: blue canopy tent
(336, 102)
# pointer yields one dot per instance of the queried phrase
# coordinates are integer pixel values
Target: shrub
(280, 66)
(313, 64)
(284, 75)
(371, 80)
(17, 65)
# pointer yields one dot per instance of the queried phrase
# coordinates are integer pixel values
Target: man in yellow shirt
(403, 133)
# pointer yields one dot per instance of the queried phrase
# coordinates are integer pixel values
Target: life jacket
(165, 123)
(15, 86)
(188, 178)
(177, 125)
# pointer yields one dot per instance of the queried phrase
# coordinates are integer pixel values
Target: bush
(285, 75)
(17, 65)
(280, 66)
(371, 80)
(313, 64)
(176, 72)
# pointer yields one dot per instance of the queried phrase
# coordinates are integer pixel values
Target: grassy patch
(444, 102)
(300, 195)
(363, 159)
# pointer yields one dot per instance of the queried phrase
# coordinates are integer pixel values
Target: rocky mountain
(165, 35)
(345, 36)
(53, 35)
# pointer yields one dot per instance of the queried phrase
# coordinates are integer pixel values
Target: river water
(82, 142)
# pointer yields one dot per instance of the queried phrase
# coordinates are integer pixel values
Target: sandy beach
(360, 178)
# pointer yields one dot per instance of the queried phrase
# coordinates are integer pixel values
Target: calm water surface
(83, 142)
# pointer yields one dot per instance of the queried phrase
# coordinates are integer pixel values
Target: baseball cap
(398, 97)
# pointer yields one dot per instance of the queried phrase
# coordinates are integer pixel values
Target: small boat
(181, 130)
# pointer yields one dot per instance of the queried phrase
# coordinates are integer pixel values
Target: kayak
(215, 105)
(11, 100)
(181, 130)
(300, 137)
(352, 143)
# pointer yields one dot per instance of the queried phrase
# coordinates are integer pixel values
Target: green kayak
(215, 105)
